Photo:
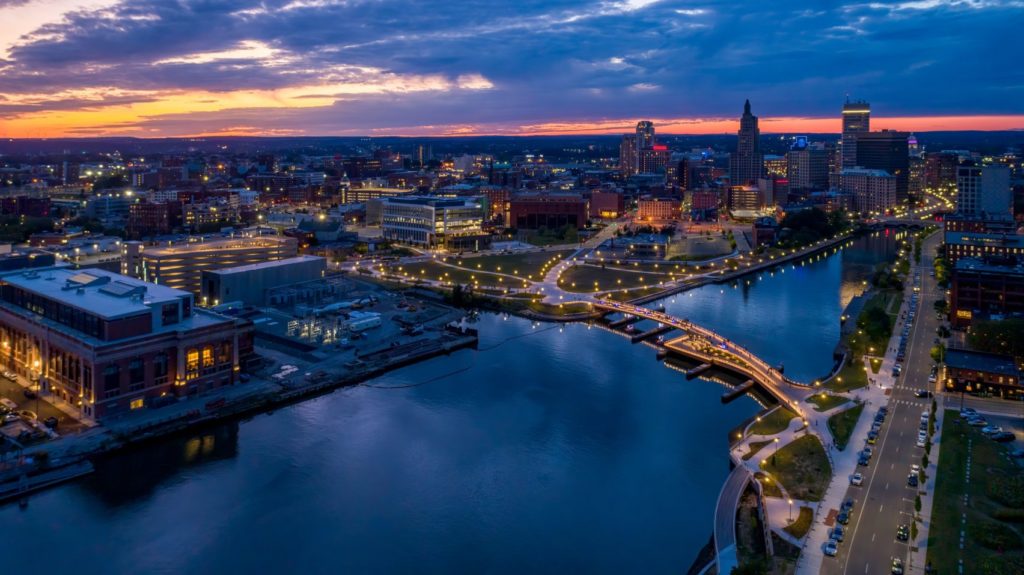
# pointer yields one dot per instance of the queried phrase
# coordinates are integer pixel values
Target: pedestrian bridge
(706, 345)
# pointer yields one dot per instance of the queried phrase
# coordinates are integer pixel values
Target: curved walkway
(726, 556)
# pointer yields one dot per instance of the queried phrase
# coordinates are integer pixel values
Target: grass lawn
(825, 402)
(775, 422)
(591, 278)
(436, 271)
(802, 468)
(852, 376)
(769, 485)
(996, 505)
(801, 524)
(754, 447)
(520, 265)
(841, 424)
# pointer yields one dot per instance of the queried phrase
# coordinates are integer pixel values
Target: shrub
(992, 535)
(1007, 490)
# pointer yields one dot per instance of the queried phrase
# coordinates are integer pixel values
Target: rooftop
(265, 265)
(979, 265)
(978, 361)
(217, 245)
(99, 292)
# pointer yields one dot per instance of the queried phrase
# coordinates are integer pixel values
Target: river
(551, 448)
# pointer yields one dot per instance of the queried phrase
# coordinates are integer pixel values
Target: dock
(737, 391)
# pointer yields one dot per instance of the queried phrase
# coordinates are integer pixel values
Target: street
(885, 501)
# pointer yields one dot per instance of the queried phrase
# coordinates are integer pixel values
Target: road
(885, 500)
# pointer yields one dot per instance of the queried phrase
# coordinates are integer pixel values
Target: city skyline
(76, 68)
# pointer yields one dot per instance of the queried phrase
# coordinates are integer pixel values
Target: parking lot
(30, 427)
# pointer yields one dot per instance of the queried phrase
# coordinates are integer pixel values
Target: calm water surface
(549, 449)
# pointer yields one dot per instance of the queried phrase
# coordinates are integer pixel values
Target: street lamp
(790, 510)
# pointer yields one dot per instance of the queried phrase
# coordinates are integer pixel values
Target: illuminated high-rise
(856, 120)
(746, 165)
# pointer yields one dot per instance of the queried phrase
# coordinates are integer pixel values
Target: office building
(940, 170)
(531, 211)
(250, 284)
(745, 198)
(886, 150)
(856, 121)
(984, 192)
(645, 135)
(606, 204)
(746, 165)
(181, 266)
(454, 223)
(658, 210)
(654, 159)
(807, 167)
(629, 163)
(977, 372)
(108, 344)
(873, 191)
(986, 288)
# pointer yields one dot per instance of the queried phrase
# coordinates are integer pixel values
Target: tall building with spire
(631, 150)
(856, 120)
(644, 134)
(746, 165)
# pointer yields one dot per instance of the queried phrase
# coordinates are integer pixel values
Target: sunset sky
(408, 67)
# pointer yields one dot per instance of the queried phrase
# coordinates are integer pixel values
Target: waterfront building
(986, 288)
(108, 344)
(991, 243)
(455, 223)
(872, 190)
(250, 284)
(886, 150)
(856, 121)
(181, 266)
(746, 165)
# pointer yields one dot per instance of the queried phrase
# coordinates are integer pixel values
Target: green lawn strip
(996, 504)
(436, 271)
(775, 422)
(768, 485)
(584, 278)
(799, 527)
(851, 377)
(520, 265)
(754, 447)
(825, 402)
(802, 468)
(841, 424)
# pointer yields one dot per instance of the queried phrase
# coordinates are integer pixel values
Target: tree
(998, 336)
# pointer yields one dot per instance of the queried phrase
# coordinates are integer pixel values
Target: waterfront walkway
(726, 555)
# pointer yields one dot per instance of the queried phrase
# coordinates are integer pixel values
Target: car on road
(897, 566)
(977, 422)
(831, 548)
(912, 480)
(51, 422)
(967, 411)
(872, 437)
(9, 418)
(923, 393)
(10, 375)
(903, 533)
(1003, 437)
(991, 429)
(857, 479)
(837, 533)
(26, 414)
(843, 517)
(29, 393)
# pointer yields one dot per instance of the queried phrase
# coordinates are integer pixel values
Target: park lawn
(825, 402)
(841, 424)
(775, 422)
(437, 271)
(802, 468)
(992, 474)
(521, 265)
(581, 279)
(802, 524)
(754, 447)
(851, 377)
(769, 486)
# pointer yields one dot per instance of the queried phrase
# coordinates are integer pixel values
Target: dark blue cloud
(552, 60)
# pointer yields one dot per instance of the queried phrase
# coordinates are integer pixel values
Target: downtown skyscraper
(856, 120)
(632, 147)
(746, 165)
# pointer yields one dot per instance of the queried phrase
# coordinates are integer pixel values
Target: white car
(915, 469)
(920, 442)
(857, 479)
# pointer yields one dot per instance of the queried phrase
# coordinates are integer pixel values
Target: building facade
(981, 289)
(452, 223)
(531, 211)
(109, 344)
(887, 150)
(746, 165)
(856, 121)
(250, 284)
(873, 191)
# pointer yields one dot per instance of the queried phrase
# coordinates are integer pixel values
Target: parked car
(912, 480)
(863, 461)
(967, 411)
(991, 429)
(915, 468)
(26, 414)
(903, 533)
(831, 548)
(29, 393)
(843, 517)
(925, 392)
(847, 506)
(857, 479)
(1003, 437)
(872, 437)
(10, 418)
(897, 566)
(837, 533)
(10, 405)
(8, 374)
(51, 422)
(977, 422)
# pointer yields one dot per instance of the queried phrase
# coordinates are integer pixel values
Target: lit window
(138, 403)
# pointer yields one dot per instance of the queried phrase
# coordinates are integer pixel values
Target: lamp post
(790, 510)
